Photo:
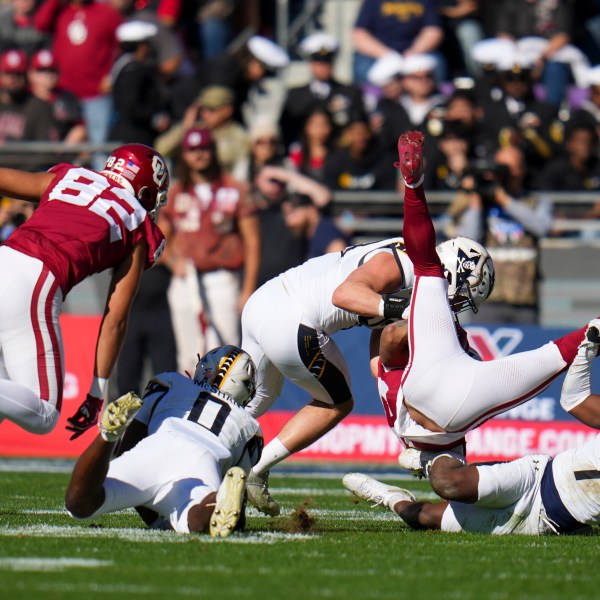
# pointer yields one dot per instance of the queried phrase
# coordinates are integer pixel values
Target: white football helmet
(231, 370)
(469, 270)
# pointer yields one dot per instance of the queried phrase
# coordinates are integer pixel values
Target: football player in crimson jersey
(432, 390)
(85, 222)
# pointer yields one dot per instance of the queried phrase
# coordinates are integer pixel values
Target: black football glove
(85, 417)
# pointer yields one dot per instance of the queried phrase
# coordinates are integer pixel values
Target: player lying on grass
(432, 389)
(187, 447)
(531, 495)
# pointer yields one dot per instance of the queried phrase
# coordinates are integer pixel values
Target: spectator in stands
(315, 143)
(322, 233)
(417, 101)
(23, 116)
(343, 102)
(361, 164)
(266, 147)
(17, 29)
(282, 247)
(462, 108)
(216, 228)
(448, 157)
(386, 76)
(579, 170)
(84, 47)
(139, 97)
(497, 210)
(66, 110)
(212, 109)
(518, 118)
(166, 48)
(553, 21)
(239, 71)
(216, 114)
(588, 114)
(394, 26)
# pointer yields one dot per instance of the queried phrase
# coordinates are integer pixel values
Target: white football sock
(274, 452)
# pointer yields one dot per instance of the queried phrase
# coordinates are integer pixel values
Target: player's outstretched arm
(23, 185)
(576, 396)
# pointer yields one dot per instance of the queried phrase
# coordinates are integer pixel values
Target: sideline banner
(539, 426)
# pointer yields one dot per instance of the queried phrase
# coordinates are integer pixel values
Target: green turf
(350, 551)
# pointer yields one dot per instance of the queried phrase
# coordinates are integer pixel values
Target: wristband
(98, 387)
(393, 308)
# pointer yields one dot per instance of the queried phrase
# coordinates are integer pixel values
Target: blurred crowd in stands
(507, 92)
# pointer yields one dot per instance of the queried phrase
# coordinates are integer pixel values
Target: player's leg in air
(446, 389)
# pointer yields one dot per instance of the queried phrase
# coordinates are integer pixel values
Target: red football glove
(85, 417)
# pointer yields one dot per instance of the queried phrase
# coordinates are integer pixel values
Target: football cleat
(229, 505)
(117, 415)
(259, 496)
(371, 490)
(410, 158)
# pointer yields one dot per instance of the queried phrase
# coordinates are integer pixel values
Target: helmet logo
(159, 170)
(465, 264)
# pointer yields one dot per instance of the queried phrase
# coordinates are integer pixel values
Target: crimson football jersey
(85, 223)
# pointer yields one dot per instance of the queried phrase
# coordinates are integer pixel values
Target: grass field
(338, 548)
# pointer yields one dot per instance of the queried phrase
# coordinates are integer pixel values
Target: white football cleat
(230, 499)
(117, 415)
(259, 496)
(371, 490)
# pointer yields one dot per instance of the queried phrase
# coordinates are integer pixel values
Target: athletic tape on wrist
(98, 387)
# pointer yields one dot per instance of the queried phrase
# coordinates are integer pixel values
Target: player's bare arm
(122, 290)
(24, 186)
(361, 292)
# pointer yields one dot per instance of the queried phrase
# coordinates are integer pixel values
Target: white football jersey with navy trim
(175, 403)
(313, 283)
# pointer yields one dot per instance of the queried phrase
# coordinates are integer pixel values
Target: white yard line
(13, 563)
(145, 535)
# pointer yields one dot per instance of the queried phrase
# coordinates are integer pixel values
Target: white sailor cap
(416, 63)
(490, 51)
(136, 31)
(514, 61)
(385, 69)
(270, 54)
(319, 46)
